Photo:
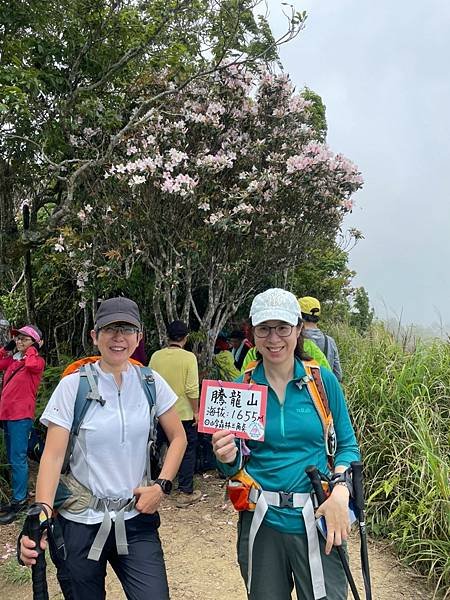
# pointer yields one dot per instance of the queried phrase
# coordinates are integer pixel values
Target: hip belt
(262, 500)
(79, 498)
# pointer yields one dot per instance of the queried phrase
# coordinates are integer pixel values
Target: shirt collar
(259, 375)
(100, 371)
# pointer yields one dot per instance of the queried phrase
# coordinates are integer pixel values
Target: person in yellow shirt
(179, 368)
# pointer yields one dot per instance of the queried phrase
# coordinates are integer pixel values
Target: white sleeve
(165, 396)
(60, 407)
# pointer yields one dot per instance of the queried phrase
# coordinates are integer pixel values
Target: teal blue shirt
(293, 440)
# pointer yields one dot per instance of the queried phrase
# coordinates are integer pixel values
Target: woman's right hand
(28, 553)
(224, 446)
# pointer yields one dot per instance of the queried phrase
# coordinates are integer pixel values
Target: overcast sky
(383, 71)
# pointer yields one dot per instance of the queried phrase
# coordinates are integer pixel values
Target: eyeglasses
(263, 331)
(122, 329)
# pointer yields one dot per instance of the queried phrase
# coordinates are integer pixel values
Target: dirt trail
(199, 546)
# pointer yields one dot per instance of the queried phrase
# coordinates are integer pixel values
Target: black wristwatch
(165, 485)
(343, 479)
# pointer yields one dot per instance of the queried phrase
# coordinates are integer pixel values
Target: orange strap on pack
(319, 396)
(317, 391)
(238, 489)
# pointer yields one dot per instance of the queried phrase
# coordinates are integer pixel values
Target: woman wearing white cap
(23, 368)
(294, 439)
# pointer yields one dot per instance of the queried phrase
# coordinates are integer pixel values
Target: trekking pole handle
(358, 490)
(314, 477)
(32, 528)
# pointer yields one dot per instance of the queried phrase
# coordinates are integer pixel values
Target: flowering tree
(77, 79)
(228, 183)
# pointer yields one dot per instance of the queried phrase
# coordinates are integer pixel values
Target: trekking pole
(316, 483)
(358, 491)
(58, 555)
(32, 528)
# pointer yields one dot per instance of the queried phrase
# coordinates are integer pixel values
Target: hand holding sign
(236, 407)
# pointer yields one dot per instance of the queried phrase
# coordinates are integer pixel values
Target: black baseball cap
(117, 310)
(177, 330)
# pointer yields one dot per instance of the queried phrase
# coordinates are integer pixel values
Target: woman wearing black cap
(109, 459)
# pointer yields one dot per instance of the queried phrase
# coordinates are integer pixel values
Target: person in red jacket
(23, 368)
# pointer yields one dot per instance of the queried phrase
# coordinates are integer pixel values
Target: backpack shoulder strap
(249, 371)
(317, 391)
(147, 380)
(320, 395)
(87, 391)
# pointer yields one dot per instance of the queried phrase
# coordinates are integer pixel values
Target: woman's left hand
(148, 498)
(335, 511)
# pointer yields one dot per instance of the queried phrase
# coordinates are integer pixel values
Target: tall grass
(400, 406)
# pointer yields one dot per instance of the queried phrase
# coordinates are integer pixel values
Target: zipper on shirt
(122, 419)
(282, 419)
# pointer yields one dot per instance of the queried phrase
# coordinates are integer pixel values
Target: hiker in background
(239, 347)
(223, 362)
(23, 368)
(310, 308)
(294, 439)
(108, 465)
(246, 328)
(179, 368)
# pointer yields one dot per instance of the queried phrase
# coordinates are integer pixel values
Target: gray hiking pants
(280, 561)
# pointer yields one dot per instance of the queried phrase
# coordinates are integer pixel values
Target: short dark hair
(311, 318)
(177, 331)
(237, 334)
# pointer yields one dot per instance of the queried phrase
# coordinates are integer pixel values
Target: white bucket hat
(275, 304)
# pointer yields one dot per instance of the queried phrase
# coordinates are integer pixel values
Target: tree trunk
(84, 335)
(29, 293)
(159, 319)
(4, 328)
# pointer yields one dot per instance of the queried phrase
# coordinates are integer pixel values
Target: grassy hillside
(400, 405)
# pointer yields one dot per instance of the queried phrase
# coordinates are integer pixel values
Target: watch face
(166, 485)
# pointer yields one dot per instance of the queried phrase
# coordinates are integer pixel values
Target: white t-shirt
(109, 454)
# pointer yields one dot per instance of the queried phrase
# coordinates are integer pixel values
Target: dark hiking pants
(141, 572)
